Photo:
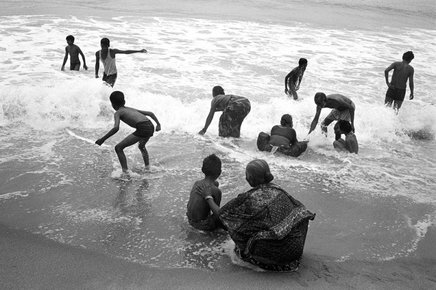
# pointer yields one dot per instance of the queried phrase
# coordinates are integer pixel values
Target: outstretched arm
(315, 119)
(208, 120)
(128, 51)
(111, 131)
(411, 85)
(153, 116)
(387, 70)
(97, 63)
(84, 61)
(65, 58)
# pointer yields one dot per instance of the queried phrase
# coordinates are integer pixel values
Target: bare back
(131, 116)
(402, 72)
(339, 102)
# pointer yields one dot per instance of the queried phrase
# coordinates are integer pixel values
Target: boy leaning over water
(136, 119)
(205, 197)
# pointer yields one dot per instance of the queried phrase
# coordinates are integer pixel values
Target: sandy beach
(33, 262)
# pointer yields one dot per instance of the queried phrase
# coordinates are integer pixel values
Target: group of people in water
(266, 223)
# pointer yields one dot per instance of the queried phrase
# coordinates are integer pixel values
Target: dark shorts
(144, 129)
(211, 223)
(109, 79)
(232, 117)
(73, 65)
(395, 94)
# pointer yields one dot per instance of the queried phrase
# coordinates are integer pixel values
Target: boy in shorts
(350, 143)
(206, 197)
(74, 51)
(403, 71)
(136, 119)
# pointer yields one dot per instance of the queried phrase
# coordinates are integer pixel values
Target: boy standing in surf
(403, 71)
(293, 79)
(205, 197)
(343, 109)
(136, 119)
(107, 57)
(74, 51)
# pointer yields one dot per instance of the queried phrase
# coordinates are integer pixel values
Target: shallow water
(55, 182)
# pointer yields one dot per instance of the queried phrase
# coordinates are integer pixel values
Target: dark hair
(286, 120)
(408, 56)
(70, 38)
(320, 98)
(344, 126)
(217, 90)
(105, 42)
(257, 172)
(211, 166)
(302, 61)
(117, 99)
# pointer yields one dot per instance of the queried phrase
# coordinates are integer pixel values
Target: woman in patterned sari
(267, 224)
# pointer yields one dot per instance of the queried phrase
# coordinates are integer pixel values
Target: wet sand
(33, 262)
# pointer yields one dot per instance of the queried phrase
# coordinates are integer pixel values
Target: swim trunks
(345, 115)
(395, 94)
(144, 129)
(73, 65)
(212, 222)
(232, 117)
(109, 79)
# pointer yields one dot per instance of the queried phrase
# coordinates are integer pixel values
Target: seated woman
(283, 138)
(267, 224)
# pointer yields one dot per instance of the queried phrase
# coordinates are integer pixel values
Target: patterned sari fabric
(232, 117)
(294, 150)
(268, 227)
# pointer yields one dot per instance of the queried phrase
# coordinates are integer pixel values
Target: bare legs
(129, 141)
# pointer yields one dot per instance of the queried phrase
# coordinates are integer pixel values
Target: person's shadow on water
(132, 208)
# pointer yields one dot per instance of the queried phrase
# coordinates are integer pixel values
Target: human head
(117, 99)
(286, 120)
(408, 56)
(217, 90)
(104, 42)
(70, 39)
(320, 99)
(344, 126)
(302, 62)
(212, 166)
(257, 173)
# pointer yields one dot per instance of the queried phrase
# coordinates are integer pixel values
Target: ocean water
(55, 182)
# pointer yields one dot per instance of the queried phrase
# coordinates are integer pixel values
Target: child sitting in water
(206, 197)
(136, 119)
(350, 143)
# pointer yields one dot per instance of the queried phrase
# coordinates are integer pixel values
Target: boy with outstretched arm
(205, 197)
(136, 119)
(107, 56)
(293, 79)
(74, 51)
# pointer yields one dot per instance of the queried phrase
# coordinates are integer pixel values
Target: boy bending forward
(136, 119)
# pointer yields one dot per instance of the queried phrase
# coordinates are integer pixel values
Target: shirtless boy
(136, 119)
(343, 109)
(293, 79)
(350, 143)
(205, 197)
(107, 57)
(74, 51)
(403, 71)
